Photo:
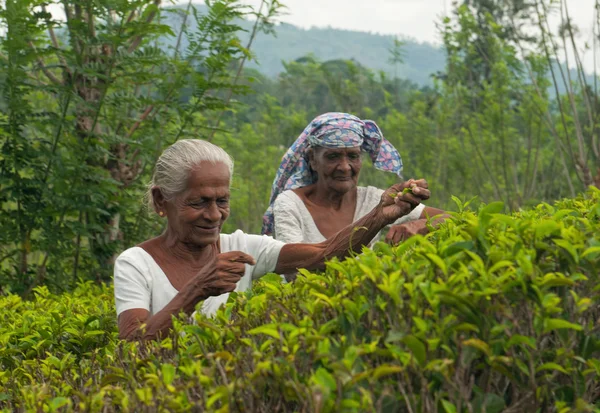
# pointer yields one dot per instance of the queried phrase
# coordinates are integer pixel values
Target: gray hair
(173, 167)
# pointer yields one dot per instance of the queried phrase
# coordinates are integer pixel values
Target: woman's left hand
(394, 204)
(402, 232)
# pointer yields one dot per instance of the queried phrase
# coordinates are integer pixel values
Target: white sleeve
(414, 215)
(131, 286)
(288, 220)
(265, 251)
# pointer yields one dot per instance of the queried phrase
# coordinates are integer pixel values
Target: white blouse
(139, 282)
(294, 223)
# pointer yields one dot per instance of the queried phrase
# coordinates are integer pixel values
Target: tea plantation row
(490, 313)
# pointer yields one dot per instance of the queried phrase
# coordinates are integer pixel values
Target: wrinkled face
(337, 168)
(198, 213)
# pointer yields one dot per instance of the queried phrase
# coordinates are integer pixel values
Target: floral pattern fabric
(330, 130)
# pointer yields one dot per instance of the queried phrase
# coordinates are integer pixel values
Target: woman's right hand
(222, 273)
(394, 204)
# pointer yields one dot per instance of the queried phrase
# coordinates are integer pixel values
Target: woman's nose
(212, 212)
(344, 165)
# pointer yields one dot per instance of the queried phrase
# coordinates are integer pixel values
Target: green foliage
(88, 103)
(490, 312)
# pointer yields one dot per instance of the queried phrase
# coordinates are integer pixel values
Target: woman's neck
(195, 255)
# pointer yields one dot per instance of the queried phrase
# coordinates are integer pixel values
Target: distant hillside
(370, 50)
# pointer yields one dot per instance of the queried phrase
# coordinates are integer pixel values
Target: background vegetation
(91, 98)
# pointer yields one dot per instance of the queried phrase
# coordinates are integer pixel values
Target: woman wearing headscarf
(192, 261)
(315, 192)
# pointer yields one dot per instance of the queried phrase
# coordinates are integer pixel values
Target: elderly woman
(315, 192)
(192, 261)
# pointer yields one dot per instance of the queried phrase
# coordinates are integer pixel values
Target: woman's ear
(311, 158)
(158, 200)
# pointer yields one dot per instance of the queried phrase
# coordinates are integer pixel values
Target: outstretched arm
(393, 205)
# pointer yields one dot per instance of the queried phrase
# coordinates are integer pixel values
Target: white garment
(294, 223)
(139, 282)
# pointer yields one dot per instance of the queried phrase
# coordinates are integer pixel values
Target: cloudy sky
(416, 19)
(412, 18)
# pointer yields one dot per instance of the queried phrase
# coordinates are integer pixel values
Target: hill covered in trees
(291, 42)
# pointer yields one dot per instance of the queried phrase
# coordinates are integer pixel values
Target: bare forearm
(160, 323)
(350, 239)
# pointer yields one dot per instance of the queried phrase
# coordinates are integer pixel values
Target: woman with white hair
(192, 261)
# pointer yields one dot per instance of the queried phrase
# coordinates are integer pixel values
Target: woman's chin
(342, 186)
(204, 240)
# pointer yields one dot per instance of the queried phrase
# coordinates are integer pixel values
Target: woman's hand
(402, 232)
(394, 204)
(221, 274)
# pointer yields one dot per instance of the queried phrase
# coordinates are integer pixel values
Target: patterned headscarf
(330, 130)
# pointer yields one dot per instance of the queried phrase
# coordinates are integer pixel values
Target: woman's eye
(196, 204)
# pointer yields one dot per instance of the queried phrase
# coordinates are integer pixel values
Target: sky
(412, 18)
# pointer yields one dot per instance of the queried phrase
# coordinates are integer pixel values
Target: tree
(89, 102)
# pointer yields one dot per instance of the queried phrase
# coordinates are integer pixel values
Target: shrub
(490, 313)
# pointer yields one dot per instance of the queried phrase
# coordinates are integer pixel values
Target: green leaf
(545, 228)
(518, 339)
(553, 280)
(552, 367)
(386, 370)
(58, 402)
(439, 262)
(268, 329)
(168, 373)
(557, 324)
(488, 402)
(324, 379)
(492, 208)
(420, 323)
(448, 407)
(220, 393)
(478, 344)
(405, 245)
(417, 348)
(566, 245)
(458, 247)
(394, 336)
(590, 251)
(500, 264)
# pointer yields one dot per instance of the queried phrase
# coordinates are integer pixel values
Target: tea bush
(489, 313)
